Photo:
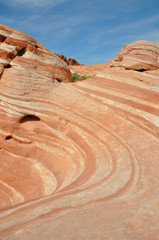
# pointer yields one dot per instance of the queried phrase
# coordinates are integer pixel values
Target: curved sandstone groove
(78, 160)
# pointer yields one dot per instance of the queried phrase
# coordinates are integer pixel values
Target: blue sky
(91, 31)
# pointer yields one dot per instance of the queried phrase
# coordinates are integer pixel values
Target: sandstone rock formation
(70, 61)
(22, 54)
(78, 160)
(140, 56)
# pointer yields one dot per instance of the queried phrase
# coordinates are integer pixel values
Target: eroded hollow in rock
(57, 80)
(141, 70)
(2, 38)
(29, 118)
(8, 66)
(21, 52)
(8, 137)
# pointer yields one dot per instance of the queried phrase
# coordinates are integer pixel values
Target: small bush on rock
(77, 77)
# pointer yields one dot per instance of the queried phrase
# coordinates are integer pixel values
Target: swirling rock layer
(141, 56)
(78, 160)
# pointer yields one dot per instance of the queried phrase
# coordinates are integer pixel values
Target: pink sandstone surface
(78, 160)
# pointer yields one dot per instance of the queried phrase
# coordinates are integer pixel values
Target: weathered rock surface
(78, 160)
(141, 56)
(69, 61)
(22, 57)
(72, 62)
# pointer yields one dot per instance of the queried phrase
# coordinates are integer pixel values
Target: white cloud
(126, 30)
(136, 24)
(34, 3)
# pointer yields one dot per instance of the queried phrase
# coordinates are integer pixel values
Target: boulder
(140, 56)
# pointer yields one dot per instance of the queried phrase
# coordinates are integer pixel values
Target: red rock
(63, 57)
(140, 55)
(25, 55)
(78, 160)
(70, 61)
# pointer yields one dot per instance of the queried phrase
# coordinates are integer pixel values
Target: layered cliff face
(77, 160)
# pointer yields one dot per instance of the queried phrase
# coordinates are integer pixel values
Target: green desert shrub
(77, 77)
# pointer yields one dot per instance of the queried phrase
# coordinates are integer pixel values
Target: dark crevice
(56, 82)
(2, 38)
(21, 52)
(140, 70)
(8, 137)
(57, 79)
(36, 46)
(1, 74)
(28, 118)
(8, 66)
